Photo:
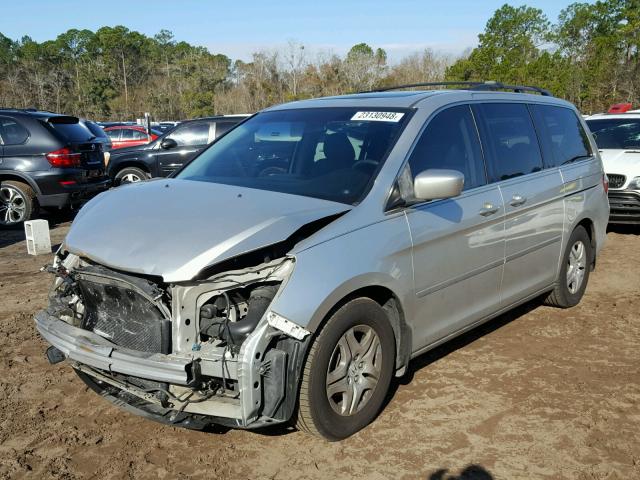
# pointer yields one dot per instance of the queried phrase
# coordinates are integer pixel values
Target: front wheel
(574, 272)
(347, 372)
(130, 175)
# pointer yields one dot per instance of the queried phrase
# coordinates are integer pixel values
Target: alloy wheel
(130, 178)
(13, 205)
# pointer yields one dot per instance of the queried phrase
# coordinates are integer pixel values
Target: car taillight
(63, 157)
(605, 183)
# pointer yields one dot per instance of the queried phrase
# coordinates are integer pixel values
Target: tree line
(590, 56)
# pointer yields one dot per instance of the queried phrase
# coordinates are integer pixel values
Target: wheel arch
(589, 226)
(20, 178)
(134, 162)
(392, 306)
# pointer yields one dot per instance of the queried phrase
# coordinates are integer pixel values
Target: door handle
(517, 200)
(488, 209)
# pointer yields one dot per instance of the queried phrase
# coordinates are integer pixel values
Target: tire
(130, 175)
(568, 292)
(17, 203)
(350, 327)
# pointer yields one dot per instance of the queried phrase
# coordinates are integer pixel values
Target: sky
(238, 28)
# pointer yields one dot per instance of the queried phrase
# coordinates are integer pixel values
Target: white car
(618, 138)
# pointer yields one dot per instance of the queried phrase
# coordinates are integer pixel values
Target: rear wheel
(131, 175)
(574, 272)
(17, 203)
(347, 372)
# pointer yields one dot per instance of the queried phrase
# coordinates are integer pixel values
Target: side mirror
(432, 184)
(168, 143)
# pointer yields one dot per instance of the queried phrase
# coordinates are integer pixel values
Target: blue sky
(237, 28)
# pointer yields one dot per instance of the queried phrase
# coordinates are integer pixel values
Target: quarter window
(561, 134)
(11, 132)
(510, 141)
(450, 141)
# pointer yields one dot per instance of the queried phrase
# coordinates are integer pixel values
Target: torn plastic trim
(286, 326)
(188, 299)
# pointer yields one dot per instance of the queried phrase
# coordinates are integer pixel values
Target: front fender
(376, 255)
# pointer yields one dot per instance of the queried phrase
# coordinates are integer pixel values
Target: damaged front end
(189, 353)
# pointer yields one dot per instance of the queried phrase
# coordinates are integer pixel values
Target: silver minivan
(298, 264)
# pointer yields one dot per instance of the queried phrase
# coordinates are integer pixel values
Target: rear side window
(510, 141)
(114, 134)
(11, 132)
(450, 141)
(138, 135)
(127, 134)
(69, 129)
(561, 134)
(191, 134)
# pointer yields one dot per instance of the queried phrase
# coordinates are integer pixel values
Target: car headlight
(634, 184)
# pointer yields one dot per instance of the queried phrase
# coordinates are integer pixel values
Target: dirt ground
(537, 393)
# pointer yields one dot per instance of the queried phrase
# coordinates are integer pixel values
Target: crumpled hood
(623, 162)
(175, 228)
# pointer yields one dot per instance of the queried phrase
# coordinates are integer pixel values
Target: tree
(363, 67)
(510, 43)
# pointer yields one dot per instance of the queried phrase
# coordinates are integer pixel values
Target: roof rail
(489, 85)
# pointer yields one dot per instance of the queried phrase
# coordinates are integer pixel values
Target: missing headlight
(233, 315)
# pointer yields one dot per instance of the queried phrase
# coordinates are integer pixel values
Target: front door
(458, 243)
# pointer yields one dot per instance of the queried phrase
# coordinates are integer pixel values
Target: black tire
(25, 200)
(127, 173)
(315, 412)
(562, 296)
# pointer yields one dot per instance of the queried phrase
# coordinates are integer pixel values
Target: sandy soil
(538, 393)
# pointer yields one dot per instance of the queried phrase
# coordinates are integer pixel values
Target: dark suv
(46, 160)
(170, 151)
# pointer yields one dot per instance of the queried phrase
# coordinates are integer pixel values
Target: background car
(164, 126)
(130, 135)
(169, 152)
(617, 134)
(46, 160)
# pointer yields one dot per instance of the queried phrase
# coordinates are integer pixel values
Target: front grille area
(121, 309)
(615, 180)
(625, 207)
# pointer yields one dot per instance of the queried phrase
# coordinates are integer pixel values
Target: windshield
(618, 133)
(328, 153)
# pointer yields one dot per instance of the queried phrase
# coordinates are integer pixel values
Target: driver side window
(451, 142)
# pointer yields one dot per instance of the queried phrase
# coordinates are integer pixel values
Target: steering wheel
(366, 166)
(272, 170)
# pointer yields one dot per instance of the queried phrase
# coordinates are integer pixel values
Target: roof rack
(489, 85)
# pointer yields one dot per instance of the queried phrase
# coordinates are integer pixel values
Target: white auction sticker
(378, 116)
